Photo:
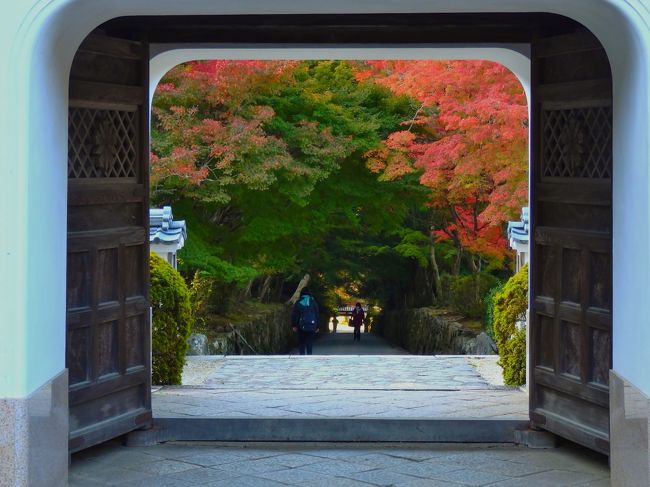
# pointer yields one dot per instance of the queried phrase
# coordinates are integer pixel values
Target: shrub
(464, 293)
(488, 301)
(513, 358)
(171, 321)
(510, 305)
(201, 295)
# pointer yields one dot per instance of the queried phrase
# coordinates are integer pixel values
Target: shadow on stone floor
(326, 465)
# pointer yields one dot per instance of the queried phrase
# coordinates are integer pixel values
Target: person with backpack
(356, 320)
(304, 320)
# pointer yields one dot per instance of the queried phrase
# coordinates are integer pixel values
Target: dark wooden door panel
(571, 285)
(108, 338)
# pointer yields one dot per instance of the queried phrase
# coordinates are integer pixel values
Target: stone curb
(329, 430)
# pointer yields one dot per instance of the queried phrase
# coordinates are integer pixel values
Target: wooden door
(108, 331)
(571, 285)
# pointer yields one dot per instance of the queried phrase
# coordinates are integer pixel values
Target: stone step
(329, 430)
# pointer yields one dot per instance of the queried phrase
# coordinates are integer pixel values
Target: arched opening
(571, 349)
(275, 376)
(630, 277)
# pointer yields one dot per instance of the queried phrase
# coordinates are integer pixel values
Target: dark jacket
(357, 317)
(295, 313)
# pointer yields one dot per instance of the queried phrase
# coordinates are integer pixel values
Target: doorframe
(44, 41)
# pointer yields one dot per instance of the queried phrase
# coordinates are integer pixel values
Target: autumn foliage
(469, 139)
(365, 172)
(211, 136)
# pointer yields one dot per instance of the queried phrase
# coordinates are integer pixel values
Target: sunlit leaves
(470, 140)
(268, 160)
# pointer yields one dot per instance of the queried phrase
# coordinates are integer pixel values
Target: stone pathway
(341, 343)
(224, 403)
(353, 386)
(337, 372)
(336, 465)
(386, 383)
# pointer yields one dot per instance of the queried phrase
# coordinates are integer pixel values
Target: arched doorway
(42, 38)
(571, 317)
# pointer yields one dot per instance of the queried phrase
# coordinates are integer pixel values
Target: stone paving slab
(354, 372)
(340, 465)
(466, 404)
(350, 386)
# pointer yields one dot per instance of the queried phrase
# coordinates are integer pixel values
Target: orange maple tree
(469, 139)
(212, 135)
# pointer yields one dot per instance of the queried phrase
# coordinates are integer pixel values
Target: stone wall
(268, 333)
(432, 331)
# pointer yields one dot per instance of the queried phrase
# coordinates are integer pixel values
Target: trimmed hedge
(489, 309)
(510, 305)
(172, 318)
(513, 359)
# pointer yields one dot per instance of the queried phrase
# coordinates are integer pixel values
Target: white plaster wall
(516, 57)
(32, 276)
(11, 255)
(37, 41)
(164, 252)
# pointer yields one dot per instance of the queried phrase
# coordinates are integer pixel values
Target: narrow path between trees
(341, 343)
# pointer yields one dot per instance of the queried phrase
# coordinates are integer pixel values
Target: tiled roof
(164, 230)
(518, 230)
(347, 309)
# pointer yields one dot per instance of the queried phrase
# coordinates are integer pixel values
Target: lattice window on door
(577, 143)
(102, 143)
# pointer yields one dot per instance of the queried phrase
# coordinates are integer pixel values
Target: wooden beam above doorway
(332, 29)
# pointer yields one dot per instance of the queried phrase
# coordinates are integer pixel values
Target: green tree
(510, 305)
(283, 168)
(171, 321)
(271, 172)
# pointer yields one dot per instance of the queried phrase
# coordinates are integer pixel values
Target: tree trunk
(248, 291)
(279, 289)
(475, 263)
(457, 262)
(437, 284)
(301, 285)
(472, 263)
(266, 287)
(428, 286)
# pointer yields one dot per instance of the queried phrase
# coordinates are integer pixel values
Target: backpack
(308, 316)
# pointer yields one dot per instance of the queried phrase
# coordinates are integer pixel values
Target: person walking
(335, 323)
(356, 321)
(304, 321)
